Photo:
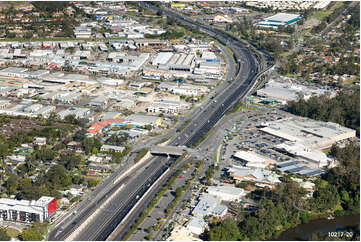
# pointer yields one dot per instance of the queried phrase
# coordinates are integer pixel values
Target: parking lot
(245, 135)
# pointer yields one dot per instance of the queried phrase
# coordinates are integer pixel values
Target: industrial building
(78, 112)
(27, 109)
(308, 132)
(280, 19)
(27, 211)
(174, 62)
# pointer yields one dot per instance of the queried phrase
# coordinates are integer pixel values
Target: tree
(4, 150)
(93, 182)
(31, 234)
(90, 143)
(12, 184)
(3, 235)
(28, 35)
(225, 230)
(80, 135)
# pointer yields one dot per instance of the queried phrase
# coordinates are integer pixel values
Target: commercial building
(261, 177)
(310, 133)
(314, 158)
(280, 19)
(207, 205)
(27, 211)
(82, 32)
(222, 19)
(141, 120)
(252, 159)
(226, 192)
(300, 167)
(197, 225)
(284, 92)
(104, 125)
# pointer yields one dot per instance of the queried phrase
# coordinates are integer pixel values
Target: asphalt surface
(112, 215)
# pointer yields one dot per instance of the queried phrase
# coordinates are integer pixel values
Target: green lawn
(320, 15)
(12, 232)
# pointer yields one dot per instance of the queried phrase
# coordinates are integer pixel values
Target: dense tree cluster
(119, 140)
(344, 109)
(345, 178)
(50, 7)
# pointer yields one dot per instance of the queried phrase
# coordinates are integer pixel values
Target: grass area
(184, 125)
(12, 232)
(292, 75)
(286, 53)
(320, 15)
(202, 138)
(140, 154)
(164, 140)
(241, 106)
(326, 151)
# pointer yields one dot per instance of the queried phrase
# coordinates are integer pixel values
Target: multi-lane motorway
(131, 190)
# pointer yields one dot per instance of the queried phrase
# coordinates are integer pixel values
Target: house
(73, 145)
(112, 148)
(40, 141)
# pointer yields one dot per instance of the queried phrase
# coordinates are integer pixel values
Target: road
(112, 215)
(338, 19)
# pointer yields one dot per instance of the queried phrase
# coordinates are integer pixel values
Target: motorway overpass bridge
(172, 151)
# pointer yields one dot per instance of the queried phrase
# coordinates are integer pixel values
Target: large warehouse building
(174, 62)
(27, 211)
(280, 19)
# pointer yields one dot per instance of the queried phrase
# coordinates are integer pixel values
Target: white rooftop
(282, 17)
(253, 159)
(309, 132)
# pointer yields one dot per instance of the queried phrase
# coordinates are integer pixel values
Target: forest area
(343, 109)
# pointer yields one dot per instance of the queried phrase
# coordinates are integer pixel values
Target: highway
(135, 185)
